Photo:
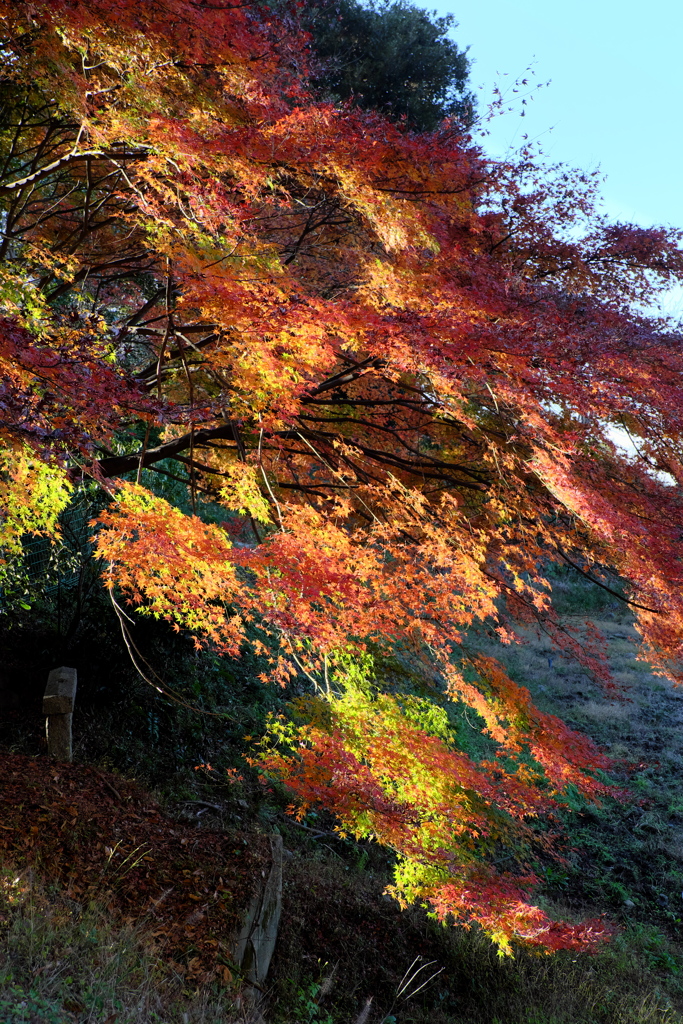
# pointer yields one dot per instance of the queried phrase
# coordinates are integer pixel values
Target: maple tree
(396, 363)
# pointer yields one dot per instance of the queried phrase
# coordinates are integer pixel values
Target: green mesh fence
(52, 565)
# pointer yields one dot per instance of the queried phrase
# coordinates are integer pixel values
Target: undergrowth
(342, 938)
(67, 963)
(62, 962)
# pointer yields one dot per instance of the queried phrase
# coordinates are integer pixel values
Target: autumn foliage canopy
(404, 370)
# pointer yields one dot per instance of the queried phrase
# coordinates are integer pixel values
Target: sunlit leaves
(33, 493)
(173, 566)
(390, 769)
(242, 493)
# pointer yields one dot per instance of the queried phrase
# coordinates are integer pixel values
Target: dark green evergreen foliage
(393, 57)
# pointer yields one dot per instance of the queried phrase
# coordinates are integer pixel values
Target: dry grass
(64, 963)
(642, 719)
(607, 713)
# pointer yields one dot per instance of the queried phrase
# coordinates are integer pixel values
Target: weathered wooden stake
(58, 706)
(255, 943)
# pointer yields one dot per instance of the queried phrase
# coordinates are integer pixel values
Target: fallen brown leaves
(101, 838)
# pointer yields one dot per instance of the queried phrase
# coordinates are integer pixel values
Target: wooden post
(58, 706)
(255, 943)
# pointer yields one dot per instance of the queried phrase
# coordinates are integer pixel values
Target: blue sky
(615, 98)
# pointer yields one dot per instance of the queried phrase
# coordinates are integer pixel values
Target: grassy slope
(82, 965)
(627, 858)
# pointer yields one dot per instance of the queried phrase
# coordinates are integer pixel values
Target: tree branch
(614, 593)
(62, 161)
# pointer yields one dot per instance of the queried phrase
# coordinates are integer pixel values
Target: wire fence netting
(53, 565)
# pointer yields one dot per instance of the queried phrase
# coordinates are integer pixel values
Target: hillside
(71, 839)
